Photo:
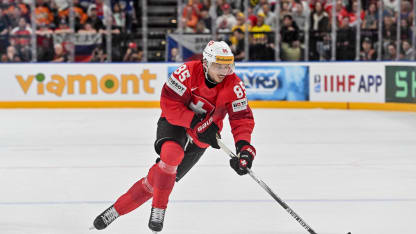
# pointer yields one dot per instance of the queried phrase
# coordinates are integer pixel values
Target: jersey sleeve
(239, 112)
(175, 97)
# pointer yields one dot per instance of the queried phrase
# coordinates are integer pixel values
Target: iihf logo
(317, 82)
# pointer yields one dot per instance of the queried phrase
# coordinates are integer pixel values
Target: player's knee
(171, 155)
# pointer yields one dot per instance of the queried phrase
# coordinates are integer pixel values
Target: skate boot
(105, 218)
(156, 219)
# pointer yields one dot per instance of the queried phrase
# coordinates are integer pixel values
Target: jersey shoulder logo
(239, 105)
(175, 85)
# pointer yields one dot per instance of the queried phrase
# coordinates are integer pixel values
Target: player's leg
(170, 156)
(138, 194)
(163, 182)
(142, 190)
(170, 148)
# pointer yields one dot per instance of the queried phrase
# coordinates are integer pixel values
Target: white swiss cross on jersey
(201, 105)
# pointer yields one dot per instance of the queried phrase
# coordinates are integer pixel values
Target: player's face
(217, 71)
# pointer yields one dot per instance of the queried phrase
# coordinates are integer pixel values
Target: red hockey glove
(206, 130)
(246, 154)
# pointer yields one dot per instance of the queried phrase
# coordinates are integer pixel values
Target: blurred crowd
(91, 17)
(299, 17)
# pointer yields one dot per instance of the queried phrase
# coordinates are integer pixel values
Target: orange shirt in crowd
(191, 16)
(43, 15)
(23, 9)
(77, 11)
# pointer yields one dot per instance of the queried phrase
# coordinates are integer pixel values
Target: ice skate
(105, 218)
(156, 219)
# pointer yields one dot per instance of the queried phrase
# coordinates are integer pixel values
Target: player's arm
(242, 124)
(175, 98)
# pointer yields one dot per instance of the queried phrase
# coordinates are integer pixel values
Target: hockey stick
(269, 191)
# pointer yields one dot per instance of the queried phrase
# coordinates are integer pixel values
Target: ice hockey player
(194, 101)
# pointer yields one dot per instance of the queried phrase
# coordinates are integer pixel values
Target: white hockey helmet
(218, 52)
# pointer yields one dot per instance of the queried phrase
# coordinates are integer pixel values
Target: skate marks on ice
(336, 168)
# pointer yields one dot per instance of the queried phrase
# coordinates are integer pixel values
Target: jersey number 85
(240, 90)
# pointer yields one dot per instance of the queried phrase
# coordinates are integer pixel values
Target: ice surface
(339, 170)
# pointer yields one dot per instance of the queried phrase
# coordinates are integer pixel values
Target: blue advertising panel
(289, 83)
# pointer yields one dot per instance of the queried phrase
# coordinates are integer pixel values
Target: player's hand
(244, 159)
(206, 131)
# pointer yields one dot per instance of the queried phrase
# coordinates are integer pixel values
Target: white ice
(341, 171)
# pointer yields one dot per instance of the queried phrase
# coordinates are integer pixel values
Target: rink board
(337, 85)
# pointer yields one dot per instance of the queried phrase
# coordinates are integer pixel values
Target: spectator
(391, 52)
(238, 47)
(407, 51)
(98, 56)
(22, 8)
(127, 7)
(405, 30)
(406, 11)
(299, 15)
(270, 18)
(251, 16)
(60, 54)
(341, 11)
(43, 14)
(367, 53)
(220, 5)
(240, 25)
(206, 18)
(119, 17)
(12, 54)
(258, 8)
(87, 29)
(318, 28)
(389, 30)
(133, 54)
(174, 55)
(391, 6)
(79, 15)
(371, 17)
(103, 11)
(4, 58)
(44, 43)
(63, 27)
(260, 50)
(21, 34)
(345, 41)
(226, 21)
(353, 15)
(4, 31)
(284, 10)
(200, 28)
(292, 51)
(289, 30)
(260, 27)
(54, 8)
(93, 18)
(13, 17)
(190, 16)
(324, 48)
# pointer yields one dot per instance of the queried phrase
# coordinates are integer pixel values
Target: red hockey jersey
(185, 93)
